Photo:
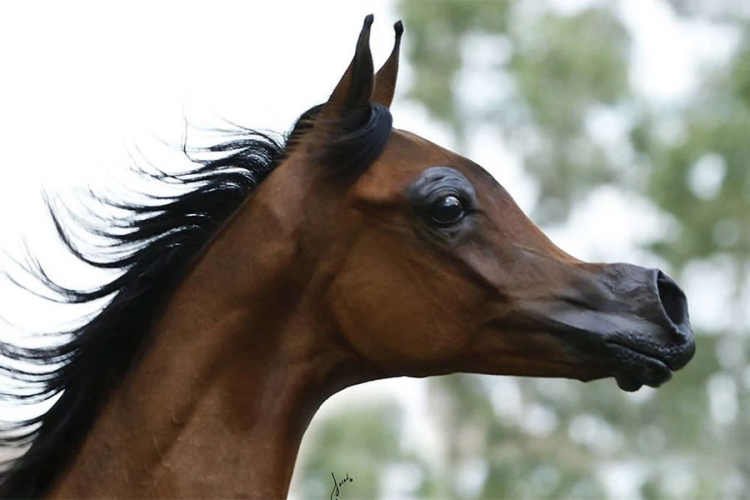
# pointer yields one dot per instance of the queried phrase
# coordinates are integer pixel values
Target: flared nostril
(674, 305)
(672, 299)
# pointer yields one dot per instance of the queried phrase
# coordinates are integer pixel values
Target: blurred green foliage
(715, 128)
(365, 439)
(557, 69)
(553, 72)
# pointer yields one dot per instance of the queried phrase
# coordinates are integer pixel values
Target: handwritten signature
(337, 484)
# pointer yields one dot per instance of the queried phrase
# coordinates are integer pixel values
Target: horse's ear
(354, 90)
(385, 80)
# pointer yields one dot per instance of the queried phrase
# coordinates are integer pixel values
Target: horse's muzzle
(665, 340)
(631, 321)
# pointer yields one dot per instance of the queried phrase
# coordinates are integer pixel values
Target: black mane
(152, 245)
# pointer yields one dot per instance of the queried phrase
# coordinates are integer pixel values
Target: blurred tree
(359, 442)
(554, 70)
(552, 75)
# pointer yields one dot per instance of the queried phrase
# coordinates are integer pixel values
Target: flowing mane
(152, 244)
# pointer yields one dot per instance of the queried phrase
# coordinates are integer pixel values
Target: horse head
(431, 268)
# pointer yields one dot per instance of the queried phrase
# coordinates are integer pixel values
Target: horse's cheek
(397, 318)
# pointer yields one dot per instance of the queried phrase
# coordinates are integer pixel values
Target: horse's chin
(631, 368)
(634, 368)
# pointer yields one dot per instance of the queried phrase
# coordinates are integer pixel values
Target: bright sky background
(83, 83)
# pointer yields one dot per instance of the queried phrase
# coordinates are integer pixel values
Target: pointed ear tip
(399, 28)
(364, 35)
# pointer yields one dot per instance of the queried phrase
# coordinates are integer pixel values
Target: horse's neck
(186, 424)
(218, 403)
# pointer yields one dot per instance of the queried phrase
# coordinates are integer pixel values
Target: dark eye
(446, 204)
(447, 210)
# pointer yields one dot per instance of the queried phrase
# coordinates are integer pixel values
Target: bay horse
(291, 269)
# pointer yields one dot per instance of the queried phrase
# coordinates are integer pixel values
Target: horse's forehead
(405, 156)
(418, 150)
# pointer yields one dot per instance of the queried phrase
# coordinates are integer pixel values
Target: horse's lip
(634, 368)
(626, 344)
(608, 340)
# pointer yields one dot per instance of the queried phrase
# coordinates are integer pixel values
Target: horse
(291, 267)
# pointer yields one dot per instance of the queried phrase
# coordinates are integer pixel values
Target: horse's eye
(445, 202)
(447, 210)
